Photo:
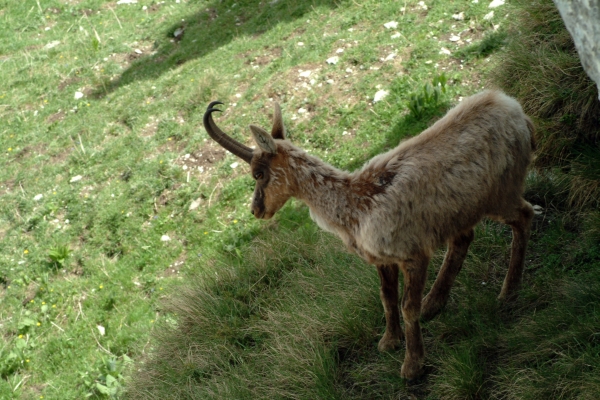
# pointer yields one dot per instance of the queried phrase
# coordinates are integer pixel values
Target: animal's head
(269, 162)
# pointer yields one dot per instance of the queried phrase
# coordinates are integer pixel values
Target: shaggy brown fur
(403, 204)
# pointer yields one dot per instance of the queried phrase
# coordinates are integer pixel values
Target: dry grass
(542, 69)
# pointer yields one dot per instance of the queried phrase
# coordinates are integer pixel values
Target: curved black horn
(243, 152)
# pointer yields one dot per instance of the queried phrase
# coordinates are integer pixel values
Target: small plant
(58, 255)
(13, 359)
(429, 97)
(109, 380)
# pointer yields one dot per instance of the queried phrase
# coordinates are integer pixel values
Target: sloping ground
(295, 316)
(112, 195)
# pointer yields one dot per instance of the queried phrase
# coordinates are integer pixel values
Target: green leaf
(111, 381)
(20, 344)
(26, 322)
(103, 389)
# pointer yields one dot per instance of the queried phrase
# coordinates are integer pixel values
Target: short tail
(531, 128)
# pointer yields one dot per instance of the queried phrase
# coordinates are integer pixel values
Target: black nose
(252, 211)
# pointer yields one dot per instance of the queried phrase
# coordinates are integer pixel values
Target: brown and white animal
(395, 211)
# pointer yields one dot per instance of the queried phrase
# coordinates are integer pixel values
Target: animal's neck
(330, 193)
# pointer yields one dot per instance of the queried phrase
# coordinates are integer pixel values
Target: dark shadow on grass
(205, 31)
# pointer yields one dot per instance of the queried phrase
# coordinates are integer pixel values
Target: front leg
(415, 274)
(388, 275)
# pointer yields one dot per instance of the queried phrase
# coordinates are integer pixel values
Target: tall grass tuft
(542, 69)
(276, 323)
(554, 354)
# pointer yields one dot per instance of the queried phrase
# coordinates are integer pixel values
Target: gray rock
(582, 18)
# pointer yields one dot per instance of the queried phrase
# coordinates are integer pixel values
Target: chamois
(403, 204)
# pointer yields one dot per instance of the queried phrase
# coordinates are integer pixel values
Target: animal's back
(470, 163)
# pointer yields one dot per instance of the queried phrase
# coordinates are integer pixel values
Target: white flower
(76, 178)
(234, 165)
(165, 238)
(391, 25)
(38, 197)
(496, 3)
(78, 95)
(488, 16)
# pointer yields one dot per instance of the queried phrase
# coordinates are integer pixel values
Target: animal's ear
(278, 131)
(263, 139)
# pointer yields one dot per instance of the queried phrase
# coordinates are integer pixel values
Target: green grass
(295, 316)
(93, 297)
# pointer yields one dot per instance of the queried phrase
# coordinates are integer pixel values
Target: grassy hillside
(128, 257)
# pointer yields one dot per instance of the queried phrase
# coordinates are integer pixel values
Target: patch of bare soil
(53, 10)
(394, 57)
(297, 32)
(30, 293)
(6, 187)
(28, 151)
(261, 58)
(154, 7)
(138, 50)
(201, 163)
(451, 64)
(86, 11)
(67, 82)
(150, 128)
(175, 268)
(328, 82)
(166, 196)
(467, 36)
(60, 158)
(56, 117)
(24, 152)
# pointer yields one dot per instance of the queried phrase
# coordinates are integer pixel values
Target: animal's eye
(258, 175)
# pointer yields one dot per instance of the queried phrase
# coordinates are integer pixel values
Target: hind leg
(438, 295)
(521, 227)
